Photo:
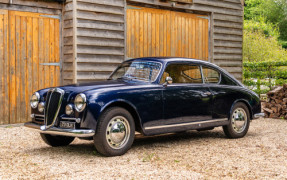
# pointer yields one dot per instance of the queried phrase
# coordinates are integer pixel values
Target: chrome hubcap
(118, 132)
(239, 120)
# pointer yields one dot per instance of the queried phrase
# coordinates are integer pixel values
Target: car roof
(174, 59)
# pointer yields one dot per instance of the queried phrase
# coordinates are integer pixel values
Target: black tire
(56, 141)
(230, 130)
(107, 120)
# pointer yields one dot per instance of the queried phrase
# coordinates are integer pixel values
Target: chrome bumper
(259, 115)
(62, 132)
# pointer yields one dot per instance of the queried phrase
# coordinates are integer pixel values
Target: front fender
(96, 108)
(117, 101)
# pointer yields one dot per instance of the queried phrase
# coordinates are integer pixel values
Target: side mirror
(168, 80)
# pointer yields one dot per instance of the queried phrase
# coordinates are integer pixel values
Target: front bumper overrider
(258, 115)
(61, 131)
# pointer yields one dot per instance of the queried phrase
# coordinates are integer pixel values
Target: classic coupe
(148, 95)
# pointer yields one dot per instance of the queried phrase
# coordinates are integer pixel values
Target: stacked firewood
(276, 103)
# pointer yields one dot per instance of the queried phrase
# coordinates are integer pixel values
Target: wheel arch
(247, 105)
(130, 108)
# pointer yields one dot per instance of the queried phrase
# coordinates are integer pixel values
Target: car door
(187, 99)
(224, 91)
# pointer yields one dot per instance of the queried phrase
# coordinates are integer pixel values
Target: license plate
(67, 125)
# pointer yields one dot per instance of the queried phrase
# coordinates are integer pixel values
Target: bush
(256, 47)
(262, 76)
(260, 42)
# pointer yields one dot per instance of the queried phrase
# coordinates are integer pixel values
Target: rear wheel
(239, 121)
(56, 140)
(115, 132)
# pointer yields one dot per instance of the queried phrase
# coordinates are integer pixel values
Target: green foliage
(265, 33)
(261, 26)
(262, 76)
(284, 44)
(258, 47)
(252, 9)
(275, 12)
(272, 11)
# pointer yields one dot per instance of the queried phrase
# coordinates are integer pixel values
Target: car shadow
(86, 148)
(177, 137)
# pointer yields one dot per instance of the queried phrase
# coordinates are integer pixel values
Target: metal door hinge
(203, 17)
(51, 16)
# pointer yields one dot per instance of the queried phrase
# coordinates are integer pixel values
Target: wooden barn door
(32, 41)
(154, 32)
(4, 68)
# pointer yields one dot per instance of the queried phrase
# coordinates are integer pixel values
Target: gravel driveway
(262, 154)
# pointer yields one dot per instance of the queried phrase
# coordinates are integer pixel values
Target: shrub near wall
(263, 75)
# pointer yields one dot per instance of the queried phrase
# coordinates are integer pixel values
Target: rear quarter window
(227, 81)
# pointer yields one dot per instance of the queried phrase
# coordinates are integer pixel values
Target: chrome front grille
(53, 105)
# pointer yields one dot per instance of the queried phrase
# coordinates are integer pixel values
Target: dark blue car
(148, 95)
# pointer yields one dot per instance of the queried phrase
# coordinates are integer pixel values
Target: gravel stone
(261, 154)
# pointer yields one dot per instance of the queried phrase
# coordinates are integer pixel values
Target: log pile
(276, 104)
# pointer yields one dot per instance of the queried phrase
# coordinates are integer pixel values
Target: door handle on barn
(50, 64)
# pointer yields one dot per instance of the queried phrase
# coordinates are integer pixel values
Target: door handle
(207, 93)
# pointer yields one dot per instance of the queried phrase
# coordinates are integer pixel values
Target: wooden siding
(4, 68)
(95, 34)
(94, 39)
(226, 23)
(27, 40)
(154, 32)
(68, 44)
(100, 38)
(37, 6)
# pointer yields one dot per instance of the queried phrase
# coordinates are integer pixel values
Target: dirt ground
(262, 154)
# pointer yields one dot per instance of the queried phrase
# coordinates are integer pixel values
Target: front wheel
(56, 140)
(239, 122)
(115, 132)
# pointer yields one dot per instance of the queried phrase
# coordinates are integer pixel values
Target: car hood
(82, 87)
(72, 90)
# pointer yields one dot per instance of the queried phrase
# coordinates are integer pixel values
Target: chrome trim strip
(39, 115)
(185, 124)
(62, 132)
(69, 118)
(258, 115)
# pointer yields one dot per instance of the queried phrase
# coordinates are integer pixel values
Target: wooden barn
(46, 43)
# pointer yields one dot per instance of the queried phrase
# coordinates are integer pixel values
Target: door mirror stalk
(168, 80)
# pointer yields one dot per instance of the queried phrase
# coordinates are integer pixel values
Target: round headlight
(80, 102)
(41, 107)
(34, 101)
(69, 109)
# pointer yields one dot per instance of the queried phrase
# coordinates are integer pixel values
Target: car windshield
(137, 70)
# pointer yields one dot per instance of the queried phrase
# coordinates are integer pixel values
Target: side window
(183, 73)
(211, 76)
(227, 81)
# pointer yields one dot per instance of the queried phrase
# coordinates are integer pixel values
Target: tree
(273, 11)
(252, 9)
